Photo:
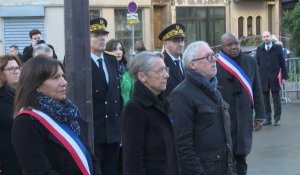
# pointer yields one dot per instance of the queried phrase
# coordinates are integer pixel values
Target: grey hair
(192, 52)
(143, 62)
(41, 49)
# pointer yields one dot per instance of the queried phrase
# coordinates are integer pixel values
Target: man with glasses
(106, 99)
(200, 116)
(239, 84)
(173, 38)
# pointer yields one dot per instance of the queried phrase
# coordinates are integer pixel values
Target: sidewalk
(276, 150)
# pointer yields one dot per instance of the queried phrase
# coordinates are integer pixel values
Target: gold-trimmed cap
(172, 31)
(98, 25)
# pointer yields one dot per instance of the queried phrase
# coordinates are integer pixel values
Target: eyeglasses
(210, 58)
(162, 71)
(177, 40)
(99, 34)
(13, 69)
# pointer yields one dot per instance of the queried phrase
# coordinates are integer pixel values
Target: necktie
(268, 48)
(177, 63)
(102, 74)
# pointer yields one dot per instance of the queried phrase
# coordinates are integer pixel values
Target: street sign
(132, 18)
(132, 7)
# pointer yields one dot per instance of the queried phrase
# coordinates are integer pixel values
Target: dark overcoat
(8, 160)
(148, 140)
(107, 103)
(241, 110)
(202, 128)
(269, 63)
(175, 77)
(38, 151)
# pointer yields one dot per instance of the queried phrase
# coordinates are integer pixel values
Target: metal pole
(78, 64)
(133, 51)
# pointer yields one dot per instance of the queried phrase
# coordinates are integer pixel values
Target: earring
(38, 90)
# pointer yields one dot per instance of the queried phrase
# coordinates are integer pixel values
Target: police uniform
(176, 75)
(107, 105)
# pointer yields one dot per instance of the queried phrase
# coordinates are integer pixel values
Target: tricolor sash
(235, 70)
(67, 138)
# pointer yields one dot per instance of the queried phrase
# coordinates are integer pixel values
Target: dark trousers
(241, 165)
(107, 155)
(276, 103)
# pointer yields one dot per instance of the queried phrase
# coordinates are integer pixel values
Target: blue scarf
(64, 111)
(122, 69)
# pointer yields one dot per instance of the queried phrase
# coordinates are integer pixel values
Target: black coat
(241, 111)
(107, 103)
(9, 164)
(202, 128)
(27, 53)
(269, 64)
(38, 151)
(175, 75)
(148, 140)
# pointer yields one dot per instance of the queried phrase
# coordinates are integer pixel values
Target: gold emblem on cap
(175, 32)
(100, 26)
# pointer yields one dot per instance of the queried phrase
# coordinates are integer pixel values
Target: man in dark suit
(173, 38)
(106, 99)
(271, 63)
(242, 99)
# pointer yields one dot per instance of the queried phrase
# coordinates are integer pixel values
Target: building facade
(204, 20)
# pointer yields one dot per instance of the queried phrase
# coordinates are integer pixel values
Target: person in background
(35, 37)
(14, 51)
(116, 47)
(200, 116)
(107, 99)
(42, 49)
(126, 83)
(271, 64)
(173, 38)
(148, 138)
(10, 68)
(244, 97)
(139, 46)
(46, 129)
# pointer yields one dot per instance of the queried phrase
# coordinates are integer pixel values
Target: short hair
(111, 45)
(41, 49)
(226, 36)
(34, 73)
(192, 52)
(143, 62)
(34, 32)
(14, 46)
(4, 59)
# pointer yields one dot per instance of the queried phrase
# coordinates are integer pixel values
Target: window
(123, 31)
(202, 23)
(249, 26)
(258, 25)
(241, 27)
(94, 14)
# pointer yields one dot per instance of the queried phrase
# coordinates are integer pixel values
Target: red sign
(132, 7)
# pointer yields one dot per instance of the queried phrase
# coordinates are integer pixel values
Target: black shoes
(277, 123)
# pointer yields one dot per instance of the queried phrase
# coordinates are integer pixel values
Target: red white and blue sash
(234, 69)
(67, 138)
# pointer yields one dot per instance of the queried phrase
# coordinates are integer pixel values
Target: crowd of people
(180, 112)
